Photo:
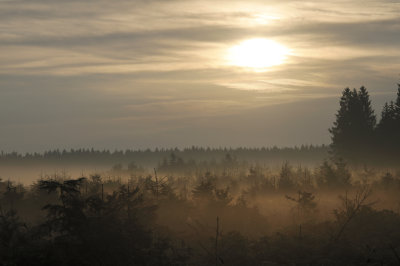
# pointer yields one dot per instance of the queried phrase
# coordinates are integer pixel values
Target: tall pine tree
(397, 106)
(352, 132)
(340, 128)
(388, 131)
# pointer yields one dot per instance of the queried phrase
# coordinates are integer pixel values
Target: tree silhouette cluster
(84, 224)
(84, 229)
(356, 135)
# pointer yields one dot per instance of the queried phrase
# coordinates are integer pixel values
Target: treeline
(359, 138)
(306, 154)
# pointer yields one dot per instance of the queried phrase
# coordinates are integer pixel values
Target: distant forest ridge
(146, 157)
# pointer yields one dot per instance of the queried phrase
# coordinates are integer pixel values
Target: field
(199, 207)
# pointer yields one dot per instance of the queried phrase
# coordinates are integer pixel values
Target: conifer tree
(397, 107)
(388, 130)
(369, 117)
(352, 132)
(341, 125)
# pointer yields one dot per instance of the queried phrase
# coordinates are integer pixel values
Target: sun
(258, 54)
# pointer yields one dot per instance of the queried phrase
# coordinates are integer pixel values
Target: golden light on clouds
(264, 19)
(257, 54)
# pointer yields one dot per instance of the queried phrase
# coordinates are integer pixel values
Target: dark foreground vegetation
(322, 216)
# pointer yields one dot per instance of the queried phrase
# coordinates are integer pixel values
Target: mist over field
(199, 132)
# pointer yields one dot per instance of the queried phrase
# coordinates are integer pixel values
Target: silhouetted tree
(205, 189)
(352, 132)
(397, 103)
(12, 237)
(305, 205)
(388, 131)
(96, 231)
(333, 176)
(286, 177)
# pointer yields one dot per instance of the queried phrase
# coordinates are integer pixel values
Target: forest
(312, 205)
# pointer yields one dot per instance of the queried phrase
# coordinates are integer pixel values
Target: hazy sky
(137, 74)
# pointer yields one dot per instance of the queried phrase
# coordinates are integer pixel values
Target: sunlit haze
(257, 54)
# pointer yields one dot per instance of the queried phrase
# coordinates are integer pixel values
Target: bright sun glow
(257, 54)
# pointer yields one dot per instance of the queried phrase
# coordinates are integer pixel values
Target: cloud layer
(153, 73)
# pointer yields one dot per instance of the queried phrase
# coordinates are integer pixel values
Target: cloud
(153, 72)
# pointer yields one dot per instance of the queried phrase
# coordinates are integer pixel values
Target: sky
(159, 73)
